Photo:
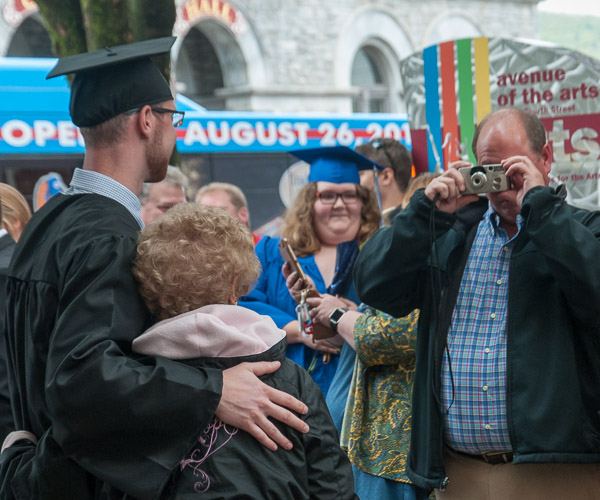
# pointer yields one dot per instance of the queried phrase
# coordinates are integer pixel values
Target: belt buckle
(505, 457)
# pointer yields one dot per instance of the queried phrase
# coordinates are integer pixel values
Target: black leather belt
(494, 458)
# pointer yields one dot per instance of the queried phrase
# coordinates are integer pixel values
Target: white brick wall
(301, 40)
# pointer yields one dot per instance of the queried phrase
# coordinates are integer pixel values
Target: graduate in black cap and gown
(95, 420)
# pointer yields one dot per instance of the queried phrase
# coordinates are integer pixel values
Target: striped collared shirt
(476, 421)
(87, 181)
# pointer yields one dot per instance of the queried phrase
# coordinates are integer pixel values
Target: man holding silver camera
(505, 401)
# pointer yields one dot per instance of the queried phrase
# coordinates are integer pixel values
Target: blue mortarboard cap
(337, 164)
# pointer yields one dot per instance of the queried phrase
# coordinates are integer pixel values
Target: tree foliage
(77, 26)
(64, 23)
(106, 23)
(574, 32)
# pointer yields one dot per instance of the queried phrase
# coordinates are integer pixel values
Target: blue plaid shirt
(476, 421)
(88, 181)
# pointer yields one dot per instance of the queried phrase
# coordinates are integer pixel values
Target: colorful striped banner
(482, 78)
(432, 108)
(451, 136)
(451, 121)
(465, 95)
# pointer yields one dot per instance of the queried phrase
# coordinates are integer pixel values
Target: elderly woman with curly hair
(192, 265)
(330, 217)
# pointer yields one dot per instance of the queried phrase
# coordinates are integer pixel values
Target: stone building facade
(336, 56)
(282, 56)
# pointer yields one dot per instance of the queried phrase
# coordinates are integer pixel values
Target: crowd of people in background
(424, 341)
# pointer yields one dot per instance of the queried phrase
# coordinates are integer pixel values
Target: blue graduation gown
(271, 297)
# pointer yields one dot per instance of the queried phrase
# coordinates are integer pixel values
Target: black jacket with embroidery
(230, 463)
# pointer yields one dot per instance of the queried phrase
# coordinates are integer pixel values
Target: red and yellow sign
(21, 5)
(194, 10)
(14, 11)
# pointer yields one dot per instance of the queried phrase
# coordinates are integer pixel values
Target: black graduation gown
(102, 413)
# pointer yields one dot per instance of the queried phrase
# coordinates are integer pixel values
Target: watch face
(336, 315)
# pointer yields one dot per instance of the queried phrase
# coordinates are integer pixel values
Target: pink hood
(216, 331)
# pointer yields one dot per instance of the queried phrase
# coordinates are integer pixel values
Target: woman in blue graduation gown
(329, 218)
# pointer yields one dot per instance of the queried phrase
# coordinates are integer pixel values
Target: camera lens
(478, 179)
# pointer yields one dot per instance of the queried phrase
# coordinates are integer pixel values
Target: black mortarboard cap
(113, 80)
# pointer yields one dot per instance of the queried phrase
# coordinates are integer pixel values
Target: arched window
(30, 40)
(199, 71)
(370, 82)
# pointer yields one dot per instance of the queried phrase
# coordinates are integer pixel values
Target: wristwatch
(336, 316)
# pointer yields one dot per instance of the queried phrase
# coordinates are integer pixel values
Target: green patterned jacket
(376, 429)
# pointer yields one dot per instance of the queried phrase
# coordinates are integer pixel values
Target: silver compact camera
(484, 179)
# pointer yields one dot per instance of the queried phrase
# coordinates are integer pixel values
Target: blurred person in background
(15, 211)
(7, 246)
(418, 182)
(157, 197)
(14, 215)
(393, 180)
(230, 198)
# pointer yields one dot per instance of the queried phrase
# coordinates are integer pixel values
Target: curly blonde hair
(193, 256)
(299, 228)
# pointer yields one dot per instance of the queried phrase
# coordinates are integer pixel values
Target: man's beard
(157, 161)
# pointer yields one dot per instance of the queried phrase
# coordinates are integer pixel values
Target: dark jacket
(316, 468)
(226, 462)
(553, 325)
